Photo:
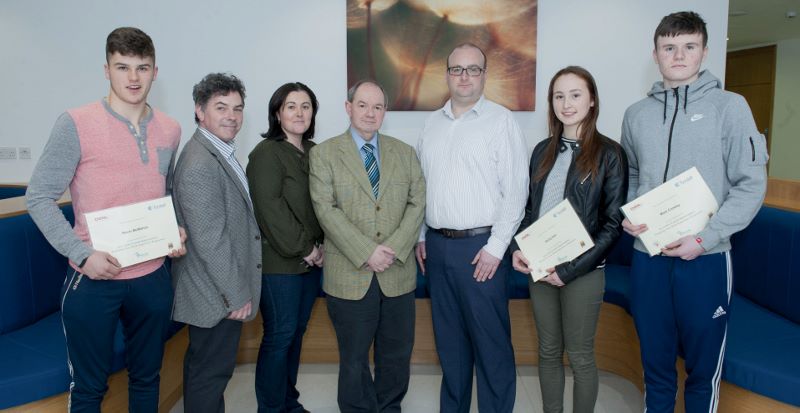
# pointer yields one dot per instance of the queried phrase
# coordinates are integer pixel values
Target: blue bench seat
(33, 365)
(762, 352)
(11, 191)
(33, 353)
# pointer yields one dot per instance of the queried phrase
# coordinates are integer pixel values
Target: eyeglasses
(471, 70)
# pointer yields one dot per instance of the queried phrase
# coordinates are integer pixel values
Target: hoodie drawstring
(685, 98)
(677, 101)
(677, 92)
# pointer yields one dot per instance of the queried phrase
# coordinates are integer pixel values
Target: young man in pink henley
(112, 152)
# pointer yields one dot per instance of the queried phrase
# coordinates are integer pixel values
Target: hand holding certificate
(557, 236)
(679, 207)
(137, 232)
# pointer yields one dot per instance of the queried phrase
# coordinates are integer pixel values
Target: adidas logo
(696, 116)
(719, 312)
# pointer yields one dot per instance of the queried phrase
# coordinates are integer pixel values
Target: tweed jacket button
(258, 266)
(378, 235)
(258, 237)
(378, 208)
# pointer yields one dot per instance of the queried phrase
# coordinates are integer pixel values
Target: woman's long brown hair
(589, 158)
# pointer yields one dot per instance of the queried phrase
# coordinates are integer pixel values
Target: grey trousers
(566, 318)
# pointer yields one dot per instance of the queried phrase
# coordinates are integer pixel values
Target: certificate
(557, 236)
(679, 207)
(137, 232)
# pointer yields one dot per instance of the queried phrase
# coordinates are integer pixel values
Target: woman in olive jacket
(590, 170)
(291, 243)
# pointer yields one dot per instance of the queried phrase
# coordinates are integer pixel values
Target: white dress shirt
(476, 171)
(227, 150)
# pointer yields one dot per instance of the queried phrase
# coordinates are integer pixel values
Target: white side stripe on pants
(715, 381)
(68, 281)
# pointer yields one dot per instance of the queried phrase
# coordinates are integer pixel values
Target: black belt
(461, 233)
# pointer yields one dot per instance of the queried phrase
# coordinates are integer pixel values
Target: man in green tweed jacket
(369, 196)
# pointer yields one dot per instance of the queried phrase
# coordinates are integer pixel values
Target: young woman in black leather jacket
(577, 163)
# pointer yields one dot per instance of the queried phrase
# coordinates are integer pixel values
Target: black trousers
(208, 366)
(386, 322)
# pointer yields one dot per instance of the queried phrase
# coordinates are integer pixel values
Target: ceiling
(759, 22)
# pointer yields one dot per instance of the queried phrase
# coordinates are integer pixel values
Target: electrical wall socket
(8, 153)
(24, 152)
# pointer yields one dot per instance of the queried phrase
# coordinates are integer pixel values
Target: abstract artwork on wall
(403, 44)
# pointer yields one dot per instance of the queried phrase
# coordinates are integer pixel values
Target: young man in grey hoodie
(680, 298)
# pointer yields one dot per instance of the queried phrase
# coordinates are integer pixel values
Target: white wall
(54, 55)
(785, 139)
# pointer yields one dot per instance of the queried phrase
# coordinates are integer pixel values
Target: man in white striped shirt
(475, 163)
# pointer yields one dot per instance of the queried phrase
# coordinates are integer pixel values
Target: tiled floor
(317, 386)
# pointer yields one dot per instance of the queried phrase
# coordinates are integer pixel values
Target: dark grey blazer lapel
(225, 166)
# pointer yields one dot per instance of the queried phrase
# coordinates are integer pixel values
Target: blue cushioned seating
(618, 273)
(422, 285)
(33, 355)
(766, 262)
(34, 361)
(12, 191)
(762, 353)
(518, 285)
(33, 273)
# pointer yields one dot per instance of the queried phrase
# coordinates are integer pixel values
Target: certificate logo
(559, 212)
(683, 181)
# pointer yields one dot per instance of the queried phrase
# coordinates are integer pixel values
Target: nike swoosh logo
(696, 116)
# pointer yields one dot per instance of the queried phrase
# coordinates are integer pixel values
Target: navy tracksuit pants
(91, 310)
(681, 308)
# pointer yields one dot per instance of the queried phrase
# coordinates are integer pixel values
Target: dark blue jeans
(286, 302)
(91, 310)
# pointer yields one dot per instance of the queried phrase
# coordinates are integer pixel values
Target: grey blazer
(221, 270)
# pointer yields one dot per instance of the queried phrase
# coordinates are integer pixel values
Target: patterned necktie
(372, 167)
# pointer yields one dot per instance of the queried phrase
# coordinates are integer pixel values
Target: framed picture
(404, 44)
